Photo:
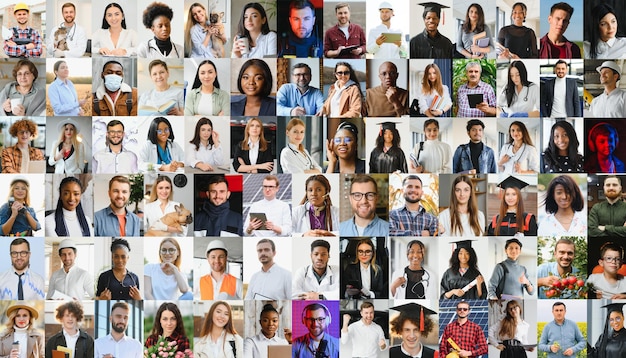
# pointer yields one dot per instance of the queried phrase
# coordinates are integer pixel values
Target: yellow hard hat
(21, 6)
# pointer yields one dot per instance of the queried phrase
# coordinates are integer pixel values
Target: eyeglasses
(346, 140)
(168, 251)
(117, 132)
(20, 253)
(364, 252)
(161, 131)
(23, 132)
(269, 187)
(23, 74)
(358, 196)
(342, 73)
(462, 309)
(319, 320)
(616, 319)
(612, 259)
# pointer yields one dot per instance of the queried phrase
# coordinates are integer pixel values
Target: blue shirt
(63, 98)
(462, 160)
(402, 222)
(567, 334)
(106, 223)
(288, 97)
(303, 347)
(21, 223)
(376, 227)
(550, 269)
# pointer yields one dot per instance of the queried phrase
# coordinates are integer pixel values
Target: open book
(162, 109)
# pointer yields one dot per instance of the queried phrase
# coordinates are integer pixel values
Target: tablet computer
(391, 37)
(474, 99)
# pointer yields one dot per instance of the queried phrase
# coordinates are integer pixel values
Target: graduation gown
(508, 227)
(396, 352)
(452, 280)
(615, 346)
(394, 159)
(423, 46)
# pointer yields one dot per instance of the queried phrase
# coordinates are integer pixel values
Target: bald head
(388, 74)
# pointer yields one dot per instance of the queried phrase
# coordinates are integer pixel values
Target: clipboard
(349, 48)
(474, 99)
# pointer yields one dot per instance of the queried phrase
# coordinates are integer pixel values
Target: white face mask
(113, 82)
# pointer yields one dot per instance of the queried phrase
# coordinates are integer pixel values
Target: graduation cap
(414, 310)
(386, 125)
(512, 182)
(614, 307)
(433, 7)
(463, 244)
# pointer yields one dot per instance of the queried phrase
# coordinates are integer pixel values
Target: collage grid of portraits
(197, 152)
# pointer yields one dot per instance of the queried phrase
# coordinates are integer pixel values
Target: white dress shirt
(32, 285)
(126, 347)
(612, 105)
(256, 346)
(212, 156)
(153, 214)
(364, 338)
(304, 280)
(127, 40)
(276, 211)
(274, 283)
(76, 283)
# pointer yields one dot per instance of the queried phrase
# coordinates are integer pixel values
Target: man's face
(217, 260)
(462, 310)
(69, 14)
(513, 251)
(431, 21)
(218, 193)
(113, 69)
(115, 134)
(410, 335)
(265, 253)
(21, 16)
(608, 76)
(564, 255)
(20, 256)
(367, 314)
(270, 188)
(385, 15)
(119, 193)
(67, 256)
(301, 77)
(412, 191)
(315, 321)
(558, 312)
(363, 208)
(610, 262)
(68, 320)
(388, 74)
(612, 188)
(473, 75)
(559, 20)
(119, 319)
(476, 133)
(560, 70)
(302, 22)
(319, 258)
(343, 15)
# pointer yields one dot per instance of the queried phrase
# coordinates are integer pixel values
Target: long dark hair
(196, 137)
(455, 264)
(352, 74)
(480, 23)
(456, 227)
(597, 13)
(157, 329)
(197, 83)
(327, 202)
(59, 219)
(152, 131)
(570, 187)
(525, 135)
(241, 28)
(380, 140)
(105, 24)
(552, 152)
(510, 86)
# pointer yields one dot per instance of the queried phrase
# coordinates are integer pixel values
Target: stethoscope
(71, 32)
(155, 47)
(309, 160)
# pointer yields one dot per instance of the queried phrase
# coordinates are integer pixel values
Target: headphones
(593, 134)
(315, 307)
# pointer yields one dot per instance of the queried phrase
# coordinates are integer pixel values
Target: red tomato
(572, 280)
(580, 283)
(550, 293)
(557, 284)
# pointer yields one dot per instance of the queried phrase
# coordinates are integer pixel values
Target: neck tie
(20, 289)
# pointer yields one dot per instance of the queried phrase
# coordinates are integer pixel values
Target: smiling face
(562, 198)
(218, 193)
(367, 315)
(561, 140)
(605, 145)
(21, 16)
(560, 70)
(164, 189)
(385, 15)
(412, 190)
(612, 188)
(432, 75)
(516, 133)
(114, 17)
(607, 27)
(207, 74)
(159, 76)
(217, 260)
(415, 256)
(119, 193)
(67, 256)
(315, 193)
(518, 15)
(20, 263)
(161, 28)
(296, 134)
(464, 257)
(120, 258)
(513, 251)
(70, 195)
(432, 131)
(168, 252)
(69, 14)
(168, 322)
(510, 197)
(388, 137)
(345, 146)
(199, 14)
(69, 320)
(410, 335)
(269, 323)
(616, 320)
(20, 191)
(163, 133)
(315, 321)
(25, 77)
(252, 81)
(252, 20)
(608, 76)
(24, 136)
(431, 21)
(472, 14)
(343, 16)
(301, 76)
(22, 318)
(302, 22)
(342, 74)
(363, 208)
(462, 192)
(365, 253)
(221, 316)
(564, 255)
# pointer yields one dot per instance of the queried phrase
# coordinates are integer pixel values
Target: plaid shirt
(468, 337)
(489, 96)
(12, 158)
(182, 342)
(402, 223)
(20, 50)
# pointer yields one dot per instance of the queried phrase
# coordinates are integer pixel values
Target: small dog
(182, 216)
(217, 44)
(60, 39)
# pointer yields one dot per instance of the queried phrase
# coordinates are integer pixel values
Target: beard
(408, 199)
(118, 328)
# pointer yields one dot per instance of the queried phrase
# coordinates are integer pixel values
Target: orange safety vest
(229, 285)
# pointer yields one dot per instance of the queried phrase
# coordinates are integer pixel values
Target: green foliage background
(459, 78)
(581, 325)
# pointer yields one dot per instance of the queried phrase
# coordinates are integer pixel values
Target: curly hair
(24, 124)
(73, 307)
(414, 317)
(155, 10)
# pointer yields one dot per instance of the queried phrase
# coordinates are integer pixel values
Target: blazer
(352, 272)
(264, 157)
(35, 345)
(268, 106)
(572, 101)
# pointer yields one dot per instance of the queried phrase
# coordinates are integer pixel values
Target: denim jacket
(462, 160)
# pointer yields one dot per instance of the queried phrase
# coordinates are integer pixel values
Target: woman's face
(207, 74)
(163, 132)
(315, 193)
(69, 320)
(342, 73)
(607, 27)
(432, 131)
(161, 28)
(518, 15)
(168, 322)
(206, 131)
(516, 133)
(159, 75)
(605, 144)
(69, 131)
(510, 197)
(513, 251)
(415, 255)
(22, 318)
(561, 140)
(388, 137)
(25, 77)
(252, 81)
(20, 191)
(114, 17)
(616, 320)
(345, 146)
(562, 198)
(515, 310)
(464, 256)
(462, 192)
(252, 20)
(365, 253)
(515, 77)
(432, 75)
(296, 134)
(269, 323)
(254, 129)
(199, 14)
(163, 189)
(63, 71)
(70, 195)
(221, 316)
(120, 258)
(168, 252)
(472, 13)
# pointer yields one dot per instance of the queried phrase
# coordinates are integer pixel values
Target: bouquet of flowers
(164, 348)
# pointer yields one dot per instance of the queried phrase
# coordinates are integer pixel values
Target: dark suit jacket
(268, 106)
(264, 157)
(572, 101)
(353, 273)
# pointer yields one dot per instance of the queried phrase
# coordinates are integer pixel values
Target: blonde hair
(296, 122)
(75, 143)
(153, 191)
(172, 241)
